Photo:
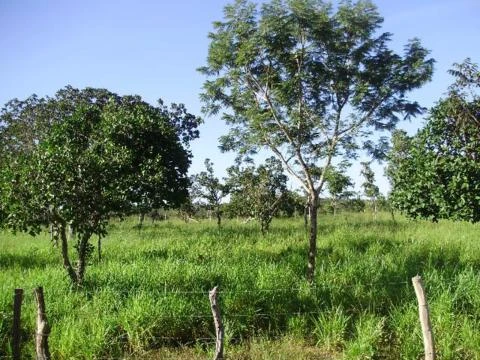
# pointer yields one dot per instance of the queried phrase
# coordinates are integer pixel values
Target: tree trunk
(71, 232)
(66, 260)
(305, 216)
(312, 251)
(53, 235)
(82, 251)
(141, 218)
(219, 217)
(99, 248)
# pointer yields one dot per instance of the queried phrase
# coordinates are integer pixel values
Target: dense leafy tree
(257, 192)
(370, 189)
(292, 204)
(436, 173)
(99, 157)
(337, 184)
(206, 186)
(308, 81)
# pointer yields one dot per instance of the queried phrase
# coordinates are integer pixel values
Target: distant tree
(206, 186)
(369, 188)
(257, 192)
(309, 81)
(436, 173)
(100, 157)
(292, 204)
(337, 184)
(355, 203)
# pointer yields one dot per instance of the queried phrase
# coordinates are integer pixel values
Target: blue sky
(153, 48)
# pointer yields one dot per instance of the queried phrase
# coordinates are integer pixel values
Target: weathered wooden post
(423, 312)
(17, 313)
(43, 329)
(218, 323)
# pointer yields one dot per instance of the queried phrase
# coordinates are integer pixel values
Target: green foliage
(436, 173)
(330, 329)
(337, 185)
(265, 67)
(310, 82)
(206, 186)
(292, 204)
(369, 188)
(368, 335)
(257, 192)
(101, 156)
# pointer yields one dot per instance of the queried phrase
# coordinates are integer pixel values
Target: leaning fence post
(17, 312)
(212, 295)
(43, 329)
(423, 312)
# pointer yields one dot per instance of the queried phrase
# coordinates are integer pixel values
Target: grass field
(148, 297)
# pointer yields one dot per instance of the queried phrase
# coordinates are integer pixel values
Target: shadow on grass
(26, 261)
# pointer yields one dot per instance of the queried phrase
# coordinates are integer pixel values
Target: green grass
(148, 296)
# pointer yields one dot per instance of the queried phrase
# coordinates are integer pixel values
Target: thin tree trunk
(71, 232)
(312, 251)
(141, 218)
(392, 213)
(219, 217)
(82, 258)
(305, 216)
(99, 248)
(66, 260)
(53, 235)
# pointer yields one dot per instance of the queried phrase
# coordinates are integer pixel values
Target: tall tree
(436, 173)
(97, 159)
(208, 187)
(370, 189)
(308, 81)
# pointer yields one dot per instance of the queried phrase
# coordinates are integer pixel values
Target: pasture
(148, 296)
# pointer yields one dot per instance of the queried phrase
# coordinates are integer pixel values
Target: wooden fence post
(423, 312)
(218, 323)
(16, 335)
(43, 329)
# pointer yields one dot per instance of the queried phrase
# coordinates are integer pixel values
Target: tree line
(307, 81)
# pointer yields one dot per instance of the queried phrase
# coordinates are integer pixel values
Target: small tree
(308, 83)
(258, 192)
(208, 187)
(100, 157)
(369, 188)
(337, 184)
(292, 204)
(436, 173)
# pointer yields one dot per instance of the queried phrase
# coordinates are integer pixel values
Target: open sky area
(153, 48)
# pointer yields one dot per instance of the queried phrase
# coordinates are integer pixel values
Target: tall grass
(150, 289)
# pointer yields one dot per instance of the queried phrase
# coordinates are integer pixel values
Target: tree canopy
(99, 155)
(436, 173)
(337, 184)
(370, 189)
(309, 81)
(257, 192)
(207, 187)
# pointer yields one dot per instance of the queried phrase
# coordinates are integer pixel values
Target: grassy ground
(148, 297)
